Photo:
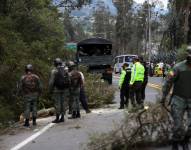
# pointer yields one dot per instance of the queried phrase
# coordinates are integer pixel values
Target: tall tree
(31, 32)
(103, 25)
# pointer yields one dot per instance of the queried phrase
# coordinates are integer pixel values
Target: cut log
(41, 113)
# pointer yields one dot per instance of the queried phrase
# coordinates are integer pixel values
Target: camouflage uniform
(59, 96)
(30, 96)
(180, 79)
(76, 82)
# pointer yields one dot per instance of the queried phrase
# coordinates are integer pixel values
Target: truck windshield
(94, 50)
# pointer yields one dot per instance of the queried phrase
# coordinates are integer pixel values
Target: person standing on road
(30, 88)
(164, 68)
(136, 81)
(145, 81)
(76, 83)
(59, 85)
(83, 98)
(180, 79)
(124, 85)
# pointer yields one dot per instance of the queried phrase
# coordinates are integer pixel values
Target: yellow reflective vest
(122, 77)
(137, 73)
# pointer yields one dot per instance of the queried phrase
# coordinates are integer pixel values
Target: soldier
(180, 79)
(30, 88)
(83, 98)
(59, 84)
(137, 78)
(76, 83)
(124, 85)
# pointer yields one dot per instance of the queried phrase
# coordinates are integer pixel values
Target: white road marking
(155, 86)
(31, 138)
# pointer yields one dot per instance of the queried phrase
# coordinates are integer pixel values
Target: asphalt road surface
(73, 134)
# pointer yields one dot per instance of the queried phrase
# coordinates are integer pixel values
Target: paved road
(72, 134)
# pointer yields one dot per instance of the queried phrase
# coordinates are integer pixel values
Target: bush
(181, 55)
(30, 32)
(6, 115)
(98, 91)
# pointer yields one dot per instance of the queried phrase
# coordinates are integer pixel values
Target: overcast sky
(164, 2)
(85, 11)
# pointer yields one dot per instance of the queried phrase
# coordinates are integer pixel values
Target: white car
(121, 59)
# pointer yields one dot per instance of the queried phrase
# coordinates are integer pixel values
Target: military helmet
(189, 54)
(57, 62)
(70, 64)
(189, 50)
(28, 67)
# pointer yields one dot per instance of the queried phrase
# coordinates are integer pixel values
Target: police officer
(30, 88)
(76, 83)
(59, 88)
(124, 85)
(145, 81)
(180, 79)
(136, 81)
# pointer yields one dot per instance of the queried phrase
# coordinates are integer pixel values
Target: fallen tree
(151, 126)
(40, 114)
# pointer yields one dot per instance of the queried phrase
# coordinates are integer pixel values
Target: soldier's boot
(174, 146)
(141, 106)
(70, 112)
(34, 121)
(185, 143)
(73, 115)
(121, 107)
(78, 114)
(88, 111)
(62, 118)
(57, 119)
(133, 105)
(26, 123)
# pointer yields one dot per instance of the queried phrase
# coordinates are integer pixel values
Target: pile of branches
(151, 126)
(98, 92)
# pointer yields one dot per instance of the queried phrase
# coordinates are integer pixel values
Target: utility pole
(149, 27)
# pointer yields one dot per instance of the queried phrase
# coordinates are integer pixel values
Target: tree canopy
(30, 32)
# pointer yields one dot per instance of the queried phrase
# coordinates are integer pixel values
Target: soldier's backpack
(30, 83)
(62, 78)
(76, 79)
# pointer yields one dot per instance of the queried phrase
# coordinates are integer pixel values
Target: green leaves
(30, 32)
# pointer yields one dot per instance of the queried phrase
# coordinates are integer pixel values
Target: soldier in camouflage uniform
(180, 79)
(30, 88)
(59, 93)
(76, 82)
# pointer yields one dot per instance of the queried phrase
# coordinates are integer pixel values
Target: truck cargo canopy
(96, 41)
(94, 47)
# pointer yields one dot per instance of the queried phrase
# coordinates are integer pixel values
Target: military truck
(96, 54)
